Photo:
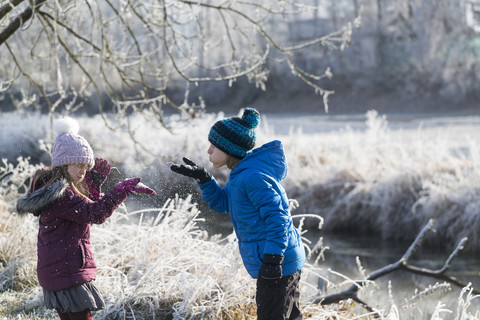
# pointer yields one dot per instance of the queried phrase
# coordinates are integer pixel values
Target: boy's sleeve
(272, 210)
(214, 195)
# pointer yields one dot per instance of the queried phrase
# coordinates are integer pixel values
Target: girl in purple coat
(67, 199)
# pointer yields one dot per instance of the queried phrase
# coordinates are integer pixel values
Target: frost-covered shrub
(159, 263)
(371, 178)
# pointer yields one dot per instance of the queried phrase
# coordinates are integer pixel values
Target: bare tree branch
(401, 264)
(18, 65)
(136, 57)
(19, 21)
(296, 70)
(6, 8)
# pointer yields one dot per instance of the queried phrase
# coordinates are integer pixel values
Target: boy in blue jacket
(270, 246)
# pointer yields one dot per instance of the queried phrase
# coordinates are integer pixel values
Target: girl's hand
(102, 166)
(135, 187)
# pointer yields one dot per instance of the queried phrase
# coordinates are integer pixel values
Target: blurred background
(394, 56)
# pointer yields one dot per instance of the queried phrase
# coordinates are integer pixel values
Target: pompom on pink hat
(69, 146)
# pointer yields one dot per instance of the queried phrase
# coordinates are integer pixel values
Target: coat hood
(269, 159)
(40, 198)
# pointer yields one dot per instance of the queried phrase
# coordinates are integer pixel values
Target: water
(311, 124)
(375, 254)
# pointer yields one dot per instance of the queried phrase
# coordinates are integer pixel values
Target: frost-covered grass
(377, 180)
(153, 264)
(159, 264)
(391, 182)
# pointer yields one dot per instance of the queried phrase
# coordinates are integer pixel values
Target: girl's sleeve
(81, 210)
(214, 195)
(94, 189)
(273, 211)
(94, 182)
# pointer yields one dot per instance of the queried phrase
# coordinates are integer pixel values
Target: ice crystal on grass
(160, 262)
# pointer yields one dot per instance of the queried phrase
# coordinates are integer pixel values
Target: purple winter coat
(64, 256)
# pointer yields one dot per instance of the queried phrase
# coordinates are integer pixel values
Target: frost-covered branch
(401, 264)
(143, 56)
(21, 19)
(7, 7)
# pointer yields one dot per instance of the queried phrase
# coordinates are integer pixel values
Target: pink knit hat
(70, 147)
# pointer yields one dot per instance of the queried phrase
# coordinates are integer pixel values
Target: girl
(270, 246)
(68, 200)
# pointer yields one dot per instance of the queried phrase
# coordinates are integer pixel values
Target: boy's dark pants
(279, 299)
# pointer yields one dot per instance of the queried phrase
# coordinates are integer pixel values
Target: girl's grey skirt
(75, 299)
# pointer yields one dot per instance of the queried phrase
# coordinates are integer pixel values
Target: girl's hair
(51, 175)
(232, 162)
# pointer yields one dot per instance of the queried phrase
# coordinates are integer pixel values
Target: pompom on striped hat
(236, 136)
(70, 147)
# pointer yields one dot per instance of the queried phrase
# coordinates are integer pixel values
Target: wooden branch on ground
(402, 264)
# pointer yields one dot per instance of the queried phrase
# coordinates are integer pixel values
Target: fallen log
(401, 264)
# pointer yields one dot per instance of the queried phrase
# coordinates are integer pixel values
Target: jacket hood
(269, 159)
(40, 198)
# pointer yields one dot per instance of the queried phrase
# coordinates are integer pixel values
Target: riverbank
(361, 173)
(373, 177)
(292, 97)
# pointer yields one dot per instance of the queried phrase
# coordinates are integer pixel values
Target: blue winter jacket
(258, 207)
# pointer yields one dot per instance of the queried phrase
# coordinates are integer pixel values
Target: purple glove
(102, 166)
(99, 173)
(134, 186)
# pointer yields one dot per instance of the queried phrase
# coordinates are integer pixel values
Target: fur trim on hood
(34, 202)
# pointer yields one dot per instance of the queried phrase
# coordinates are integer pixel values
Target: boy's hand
(192, 170)
(271, 268)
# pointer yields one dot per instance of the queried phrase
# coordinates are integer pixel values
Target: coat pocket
(83, 255)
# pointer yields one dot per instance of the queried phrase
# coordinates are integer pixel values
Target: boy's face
(217, 157)
(77, 172)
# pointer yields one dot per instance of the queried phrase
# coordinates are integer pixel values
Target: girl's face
(77, 172)
(217, 157)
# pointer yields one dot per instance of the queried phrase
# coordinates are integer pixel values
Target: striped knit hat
(236, 136)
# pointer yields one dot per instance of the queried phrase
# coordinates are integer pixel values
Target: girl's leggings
(82, 315)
